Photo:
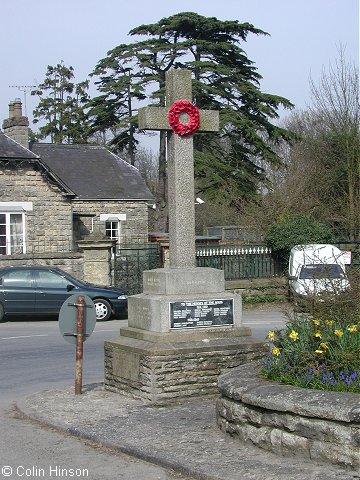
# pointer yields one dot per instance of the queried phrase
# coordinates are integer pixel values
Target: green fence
(240, 262)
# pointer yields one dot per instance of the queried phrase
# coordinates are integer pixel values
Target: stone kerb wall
(72, 263)
(319, 425)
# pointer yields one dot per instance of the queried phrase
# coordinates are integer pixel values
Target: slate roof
(9, 149)
(93, 173)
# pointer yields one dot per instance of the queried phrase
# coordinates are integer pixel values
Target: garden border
(320, 425)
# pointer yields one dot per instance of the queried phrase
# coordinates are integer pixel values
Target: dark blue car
(35, 291)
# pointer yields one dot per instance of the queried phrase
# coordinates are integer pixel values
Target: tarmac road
(34, 357)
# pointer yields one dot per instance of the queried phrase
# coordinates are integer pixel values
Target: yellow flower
(318, 334)
(271, 335)
(276, 351)
(316, 322)
(352, 328)
(324, 346)
(294, 335)
(329, 322)
(339, 333)
(319, 351)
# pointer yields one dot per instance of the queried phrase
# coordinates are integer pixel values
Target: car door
(17, 292)
(51, 290)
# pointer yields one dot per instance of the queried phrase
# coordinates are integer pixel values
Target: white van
(316, 269)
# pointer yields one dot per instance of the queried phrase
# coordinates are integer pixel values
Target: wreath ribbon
(188, 129)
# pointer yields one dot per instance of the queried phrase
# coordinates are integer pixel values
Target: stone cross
(180, 160)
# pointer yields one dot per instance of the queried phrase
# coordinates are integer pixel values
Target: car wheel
(2, 314)
(102, 309)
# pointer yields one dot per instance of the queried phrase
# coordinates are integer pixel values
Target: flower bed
(315, 353)
(320, 425)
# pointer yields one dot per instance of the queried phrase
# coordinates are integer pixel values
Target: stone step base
(166, 371)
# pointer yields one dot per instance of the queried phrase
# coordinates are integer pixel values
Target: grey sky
(305, 36)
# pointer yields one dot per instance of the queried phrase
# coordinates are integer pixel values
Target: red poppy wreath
(184, 106)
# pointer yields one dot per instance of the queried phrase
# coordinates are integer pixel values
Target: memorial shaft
(181, 202)
(180, 159)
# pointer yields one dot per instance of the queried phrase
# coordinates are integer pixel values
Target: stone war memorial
(184, 329)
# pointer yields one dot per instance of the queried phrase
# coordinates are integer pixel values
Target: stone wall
(320, 425)
(49, 224)
(135, 225)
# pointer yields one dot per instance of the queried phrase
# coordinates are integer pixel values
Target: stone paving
(182, 436)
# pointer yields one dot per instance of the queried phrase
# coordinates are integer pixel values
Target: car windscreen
(321, 271)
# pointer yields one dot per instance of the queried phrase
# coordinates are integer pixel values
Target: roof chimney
(17, 126)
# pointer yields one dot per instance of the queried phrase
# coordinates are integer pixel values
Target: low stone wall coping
(246, 385)
(290, 421)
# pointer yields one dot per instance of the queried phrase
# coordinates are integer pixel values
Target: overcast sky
(305, 37)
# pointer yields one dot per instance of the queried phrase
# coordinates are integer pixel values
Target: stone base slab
(166, 371)
(183, 281)
(201, 334)
(151, 312)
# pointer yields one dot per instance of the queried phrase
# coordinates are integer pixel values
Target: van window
(319, 271)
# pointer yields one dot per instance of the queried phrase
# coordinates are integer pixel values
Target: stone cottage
(52, 196)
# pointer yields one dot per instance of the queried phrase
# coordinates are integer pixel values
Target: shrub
(296, 230)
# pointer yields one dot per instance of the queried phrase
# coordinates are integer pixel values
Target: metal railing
(241, 262)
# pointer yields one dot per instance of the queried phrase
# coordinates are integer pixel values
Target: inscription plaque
(202, 313)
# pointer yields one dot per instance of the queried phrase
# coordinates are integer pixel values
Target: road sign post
(79, 344)
(77, 319)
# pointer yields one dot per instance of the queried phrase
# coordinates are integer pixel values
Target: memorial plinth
(184, 329)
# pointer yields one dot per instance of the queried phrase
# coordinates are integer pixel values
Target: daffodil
(329, 322)
(318, 334)
(316, 322)
(319, 351)
(339, 333)
(271, 335)
(276, 351)
(294, 335)
(324, 346)
(352, 328)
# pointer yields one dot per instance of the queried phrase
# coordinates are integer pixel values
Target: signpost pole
(79, 344)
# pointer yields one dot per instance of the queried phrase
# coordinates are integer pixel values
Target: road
(35, 357)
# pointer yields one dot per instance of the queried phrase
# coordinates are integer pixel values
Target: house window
(112, 229)
(12, 233)
(12, 227)
(113, 225)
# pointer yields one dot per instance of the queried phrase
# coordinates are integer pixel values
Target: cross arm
(156, 118)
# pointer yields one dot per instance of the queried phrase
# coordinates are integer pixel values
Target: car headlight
(122, 297)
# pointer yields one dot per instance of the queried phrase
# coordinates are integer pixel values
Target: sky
(305, 36)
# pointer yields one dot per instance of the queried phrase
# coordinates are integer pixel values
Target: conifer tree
(224, 78)
(61, 106)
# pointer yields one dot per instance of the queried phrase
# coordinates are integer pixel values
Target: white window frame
(17, 208)
(114, 217)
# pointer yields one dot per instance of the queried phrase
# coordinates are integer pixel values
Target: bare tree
(320, 174)
(336, 105)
